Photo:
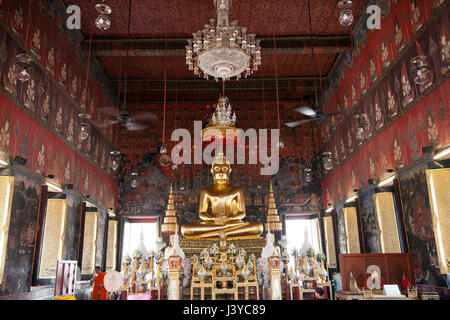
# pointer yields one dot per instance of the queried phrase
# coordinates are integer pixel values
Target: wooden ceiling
(160, 28)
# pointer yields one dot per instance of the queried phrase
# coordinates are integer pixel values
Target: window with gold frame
(6, 193)
(111, 251)
(438, 181)
(351, 229)
(329, 241)
(387, 222)
(89, 242)
(53, 237)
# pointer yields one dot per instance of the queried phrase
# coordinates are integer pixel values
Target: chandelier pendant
(225, 51)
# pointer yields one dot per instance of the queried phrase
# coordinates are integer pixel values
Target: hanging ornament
(115, 159)
(327, 160)
(308, 174)
(22, 64)
(102, 22)
(84, 125)
(346, 17)
(174, 166)
(420, 70)
(362, 122)
(134, 177)
(281, 144)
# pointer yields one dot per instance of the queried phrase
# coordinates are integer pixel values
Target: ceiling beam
(107, 47)
(303, 84)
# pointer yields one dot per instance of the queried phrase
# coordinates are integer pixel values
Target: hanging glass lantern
(115, 159)
(420, 70)
(281, 144)
(346, 17)
(327, 160)
(84, 125)
(102, 22)
(103, 8)
(164, 159)
(308, 174)
(22, 64)
(361, 125)
(134, 177)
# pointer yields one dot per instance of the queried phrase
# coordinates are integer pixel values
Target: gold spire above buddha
(222, 208)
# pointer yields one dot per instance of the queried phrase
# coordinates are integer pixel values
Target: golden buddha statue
(222, 208)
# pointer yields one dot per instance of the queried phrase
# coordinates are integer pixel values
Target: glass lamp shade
(327, 160)
(163, 149)
(346, 17)
(103, 8)
(115, 160)
(420, 70)
(102, 22)
(22, 64)
(84, 125)
(308, 174)
(134, 176)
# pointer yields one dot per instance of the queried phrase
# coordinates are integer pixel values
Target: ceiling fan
(129, 121)
(314, 116)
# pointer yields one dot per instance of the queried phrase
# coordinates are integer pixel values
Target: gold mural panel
(111, 245)
(53, 241)
(89, 242)
(438, 181)
(6, 192)
(351, 230)
(387, 222)
(329, 241)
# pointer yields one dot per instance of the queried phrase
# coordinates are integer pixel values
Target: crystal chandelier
(223, 121)
(225, 51)
(222, 115)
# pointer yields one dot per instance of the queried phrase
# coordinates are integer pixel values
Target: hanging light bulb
(421, 70)
(102, 22)
(361, 125)
(22, 63)
(174, 166)
(327, 160)
(308, 174)
(103, 8)
(134, 176)
(346, 17)
(84, 125)
(115, 159)
(281, 144)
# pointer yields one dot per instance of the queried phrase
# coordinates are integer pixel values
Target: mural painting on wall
(419, 225)
(369, 223)
(53, 97)
(20, 245)
(398, 123)
(151, 193)
(47, 154)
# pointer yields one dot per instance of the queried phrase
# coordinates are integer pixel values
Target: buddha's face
(221, 173)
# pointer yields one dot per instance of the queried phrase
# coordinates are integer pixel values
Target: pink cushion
(140, 296)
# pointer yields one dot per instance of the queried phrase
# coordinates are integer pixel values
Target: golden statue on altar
(222, 208)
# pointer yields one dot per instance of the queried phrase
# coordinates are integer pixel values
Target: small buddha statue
(221, 208)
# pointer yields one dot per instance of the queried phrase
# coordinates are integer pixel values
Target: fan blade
(106, 123)
(110, 111)
(307, 111)
(343, 111)
(297, 123)
(144, 115)
(135, 126)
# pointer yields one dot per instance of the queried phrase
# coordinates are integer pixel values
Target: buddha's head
(221, 170)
